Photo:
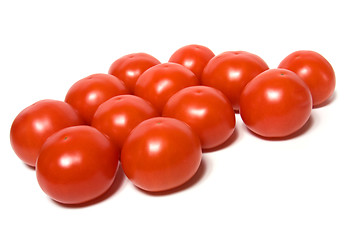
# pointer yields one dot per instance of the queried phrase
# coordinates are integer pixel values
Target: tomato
(88, 93)
(206, 110)
(117, 117)
(76, 164)
(276, 103)
(160, 82)
(315, 70)
(231, 71)
(129, 67)
(36, 123)
(161, 154)
(194, 57)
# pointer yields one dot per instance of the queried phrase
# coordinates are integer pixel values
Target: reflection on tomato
(315, 71)
(231, 71)
(129, 67)
(76, 164)
(117, 117)
(206, 110)
(194, 57)
(88, 93)
(161, 154)
(36, 123)
(276, 103)
(162, 81)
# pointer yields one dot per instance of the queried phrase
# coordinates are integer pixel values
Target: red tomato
(36, 123)
(231, 71)
(88, 93)
(194, 57)
(276, 103)
(117, 117)
(76, 164)
(162, 81)
(161, 154)
(206, 110)
(129, 67)
(315, 71)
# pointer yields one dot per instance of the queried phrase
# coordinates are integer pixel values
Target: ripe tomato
(129, 67)
(117, 117)
(88, 93)
(315, 71)
(161, 154)
(276, 103)
(36, 123)
(231, 71)
(194, 57)
(76, 164)
(206, 110)
(160, 82)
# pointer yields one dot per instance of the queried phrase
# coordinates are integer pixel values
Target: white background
(250, 189)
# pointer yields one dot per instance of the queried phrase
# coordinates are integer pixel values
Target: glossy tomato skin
(315, 71)
(206, 110)
(231, 71)
(194, 57)
(129, 67)
(276, 103)
(117, 117)
(76, 164)
(160, 82)
(36, 123)
(161, 154)
(88, 93)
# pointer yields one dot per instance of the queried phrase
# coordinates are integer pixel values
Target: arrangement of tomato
(155, 119)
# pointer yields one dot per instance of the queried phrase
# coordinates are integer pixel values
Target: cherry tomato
(276, 103)
(88, 93)
(206, 110)
(161, 154)
(129, 67)
(315, 71)
(162, 81)
(117, 117)
(36, 123)
(194, 57)
(231, 71)
(76, 164)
